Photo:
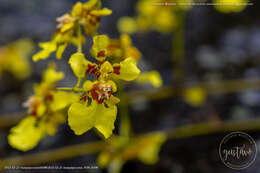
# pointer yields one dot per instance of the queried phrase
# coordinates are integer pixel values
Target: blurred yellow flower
(150, 17)
(119, 49)
(120, 150)
(229, 6)
(14, 58)
(195, 96)
(152, 77)
(26, 134)
(45, 112)
(127, 25)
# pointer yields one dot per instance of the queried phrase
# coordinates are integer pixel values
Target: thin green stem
(212, 88)
(71, 89)
(78, 83)
(79, 34)
(178, 48)
(125, 122)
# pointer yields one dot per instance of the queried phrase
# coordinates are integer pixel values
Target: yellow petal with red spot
(99, 48)
(128, 70)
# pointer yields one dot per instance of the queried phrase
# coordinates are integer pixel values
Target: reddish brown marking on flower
(34, 113)
(92, 22)
(98, 19)
(93, 69)
(116, 70)
(84, 98)
(101, 62)
(101, 91)
(49, 97)
(102, 53)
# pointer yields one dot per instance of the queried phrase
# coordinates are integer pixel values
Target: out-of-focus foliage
(14, 58)
(120, 150)
(162, 15)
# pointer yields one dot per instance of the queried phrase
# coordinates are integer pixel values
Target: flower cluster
(14, 58)
(86, 15)
(91, 102)
(97, 105)
(45, 112)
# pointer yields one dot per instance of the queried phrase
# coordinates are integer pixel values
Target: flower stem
(178, 49)
(78, 83)
(125, 122)
(79, 34)
(71, 89)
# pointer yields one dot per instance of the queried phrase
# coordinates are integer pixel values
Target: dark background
(218, 47)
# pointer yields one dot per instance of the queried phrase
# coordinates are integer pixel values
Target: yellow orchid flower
(14, 58)
(86, 15)
(45, 112)
(89, 15)
(120, 150)
(125, 70)
(97, 106)
(230, 6)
